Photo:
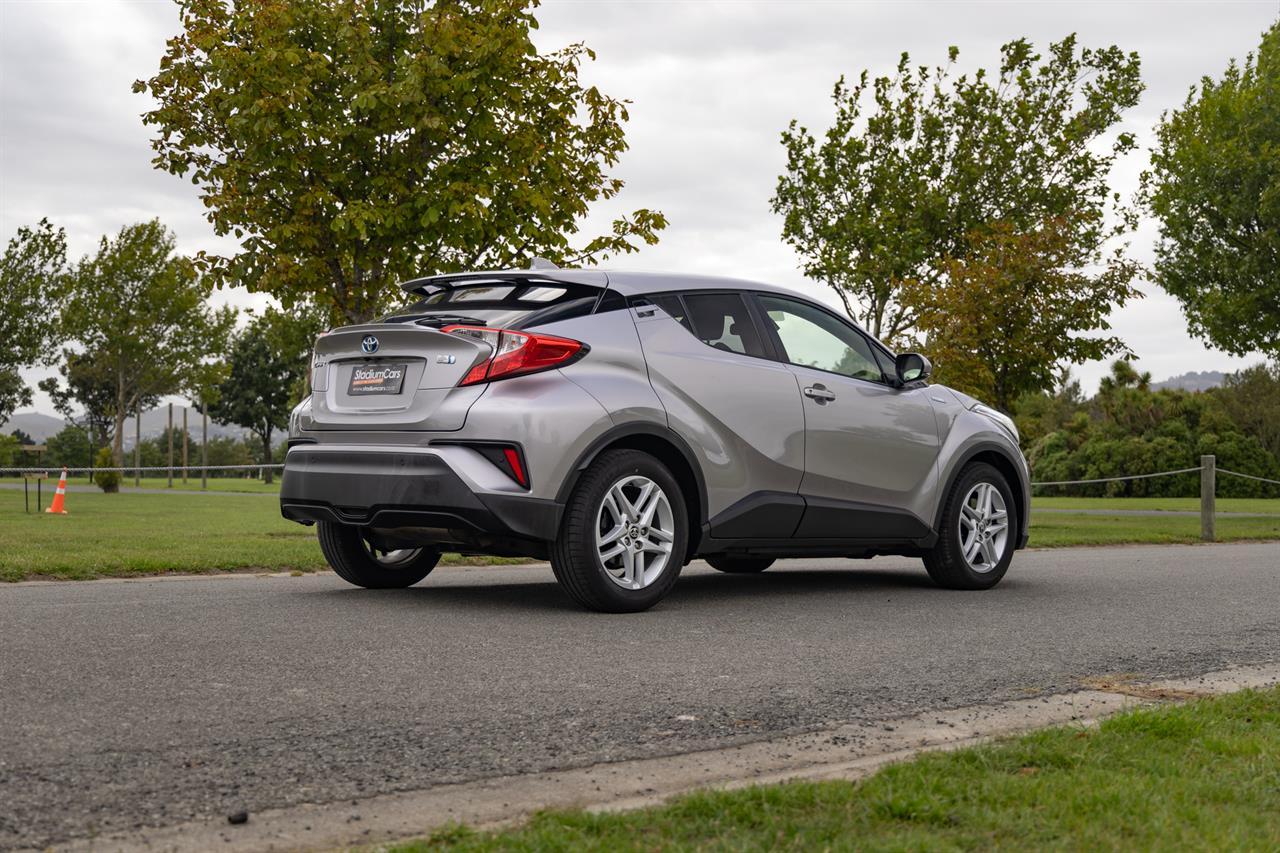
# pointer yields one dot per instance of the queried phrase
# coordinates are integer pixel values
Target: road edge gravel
(849, 751)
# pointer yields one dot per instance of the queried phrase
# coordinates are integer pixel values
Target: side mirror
(912, 367)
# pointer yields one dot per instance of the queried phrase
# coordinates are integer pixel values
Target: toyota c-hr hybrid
(623, 424)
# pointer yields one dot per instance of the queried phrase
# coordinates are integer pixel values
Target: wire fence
(1132, 477)
(276, 466)
(1248, 476)
(1128, 477)
(176, 470)
(173, 440)
(1207, 469)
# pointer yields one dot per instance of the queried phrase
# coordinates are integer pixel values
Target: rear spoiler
(436, 283)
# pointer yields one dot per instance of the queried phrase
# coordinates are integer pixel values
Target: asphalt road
(148, 703)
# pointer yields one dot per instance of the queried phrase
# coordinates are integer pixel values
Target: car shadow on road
(690, 590)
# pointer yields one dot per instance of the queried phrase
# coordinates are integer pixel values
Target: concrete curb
(848, 751)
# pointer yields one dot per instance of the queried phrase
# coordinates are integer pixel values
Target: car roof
(624, 282)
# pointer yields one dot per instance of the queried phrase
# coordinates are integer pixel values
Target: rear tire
(739, 565)
(356, 561)
(979, 531)
(624, 534)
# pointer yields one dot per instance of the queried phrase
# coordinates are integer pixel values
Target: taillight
(516, 353)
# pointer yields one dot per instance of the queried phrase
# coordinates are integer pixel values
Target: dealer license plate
(376, 379)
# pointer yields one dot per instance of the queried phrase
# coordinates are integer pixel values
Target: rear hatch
(403, 372)
(384, 376)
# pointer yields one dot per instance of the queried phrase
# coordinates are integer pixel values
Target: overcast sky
(712, 85)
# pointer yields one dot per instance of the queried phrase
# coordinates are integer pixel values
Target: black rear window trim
(753, 311)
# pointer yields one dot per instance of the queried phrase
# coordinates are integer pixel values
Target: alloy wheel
(390, 559)
(984, 527)
(635, 531)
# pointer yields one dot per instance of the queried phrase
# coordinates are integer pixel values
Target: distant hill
(41, 426)
(1193, 381)
(34, 424)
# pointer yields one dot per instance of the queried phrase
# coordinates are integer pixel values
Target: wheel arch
(665, 445)
(1002, 460)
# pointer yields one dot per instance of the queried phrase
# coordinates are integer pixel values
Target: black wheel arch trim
(639, 428)
(1023, 485)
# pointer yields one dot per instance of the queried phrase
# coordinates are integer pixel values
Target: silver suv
(622, 424)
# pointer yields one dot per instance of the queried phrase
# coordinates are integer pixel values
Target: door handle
(819, 393)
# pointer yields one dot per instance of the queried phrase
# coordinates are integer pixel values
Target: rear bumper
(398, 489)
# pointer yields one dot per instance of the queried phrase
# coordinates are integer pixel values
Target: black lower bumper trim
(397, 490)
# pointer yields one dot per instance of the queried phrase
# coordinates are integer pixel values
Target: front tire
(979, 531)
(354, 558)
(624, 535)
(739, 565)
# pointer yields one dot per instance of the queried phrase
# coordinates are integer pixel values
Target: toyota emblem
(369, 344)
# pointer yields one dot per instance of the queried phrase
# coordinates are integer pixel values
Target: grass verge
(1202, 776)
(143, 534)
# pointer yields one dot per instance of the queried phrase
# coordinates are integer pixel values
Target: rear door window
(722, 321)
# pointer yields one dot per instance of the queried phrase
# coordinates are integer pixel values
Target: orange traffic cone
(60, 495)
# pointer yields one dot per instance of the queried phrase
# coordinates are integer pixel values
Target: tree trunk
(266, 455)
(117, 438)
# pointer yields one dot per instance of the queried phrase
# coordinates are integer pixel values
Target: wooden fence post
(137, 448)
(171, 445)
(204, 444)
(186, 459)
(1208, 490)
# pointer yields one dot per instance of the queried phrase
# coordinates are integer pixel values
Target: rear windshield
(502, 304)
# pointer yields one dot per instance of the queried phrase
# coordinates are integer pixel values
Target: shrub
(108, 481)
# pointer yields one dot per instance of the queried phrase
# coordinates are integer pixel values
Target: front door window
(811, 337)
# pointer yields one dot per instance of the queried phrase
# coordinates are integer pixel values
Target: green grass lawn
(216, 484)
(1202, 776)
(141, 534)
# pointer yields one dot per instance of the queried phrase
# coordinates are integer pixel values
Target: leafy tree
(138, 313)
(1004, 319)
(1214, 184)
(1251, 398)
(1039, 413)
(24, 438)
(350, 144)
(292, 335)
(10, 451)
(14, 393)
(258, 391)
(69, 447)
(225, 450)
(89, 397)
(30, 270)
(894, 191)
